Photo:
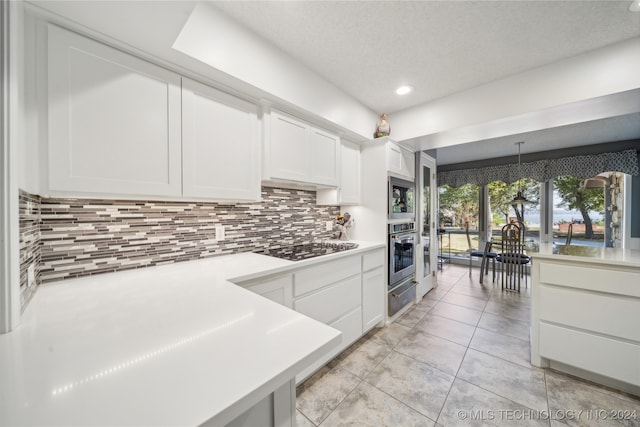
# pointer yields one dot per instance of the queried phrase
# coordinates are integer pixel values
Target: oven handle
(394, 295)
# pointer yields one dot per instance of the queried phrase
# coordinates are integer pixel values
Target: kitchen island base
(585, 312)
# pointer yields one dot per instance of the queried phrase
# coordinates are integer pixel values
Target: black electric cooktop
(307, 250)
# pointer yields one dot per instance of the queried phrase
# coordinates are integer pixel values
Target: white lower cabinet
(278, 289)
(345, 293)
(372, 298)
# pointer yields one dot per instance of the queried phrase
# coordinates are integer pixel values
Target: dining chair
(486, 255)
(569, 235)
(512, 257)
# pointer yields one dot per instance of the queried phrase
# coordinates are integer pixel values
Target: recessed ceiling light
(634, 6)
(403, 90)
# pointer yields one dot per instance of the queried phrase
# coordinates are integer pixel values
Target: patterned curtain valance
(542, 170)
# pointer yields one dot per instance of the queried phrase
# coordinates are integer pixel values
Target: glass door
(428, 243)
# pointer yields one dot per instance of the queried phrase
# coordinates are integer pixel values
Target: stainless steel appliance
(401, 199)
(402, 265)
(297, 252)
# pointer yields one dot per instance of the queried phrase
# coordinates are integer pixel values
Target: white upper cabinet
(400, 161)
(297, 151)
(220, 146)
(288, 153)
(348, 191)
(324, 157)
(114, 120)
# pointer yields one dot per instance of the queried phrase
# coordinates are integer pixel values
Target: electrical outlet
(31, 275)
(219, 232)
(329, 226)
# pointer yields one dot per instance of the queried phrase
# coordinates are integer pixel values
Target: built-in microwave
(401, 199)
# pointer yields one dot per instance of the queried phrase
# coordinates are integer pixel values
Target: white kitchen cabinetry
(400, 161)
(346, 293)
(373, 289)
(278, 289)
(348, 191)
(297, 151)
(114, 120)
(220, 145)
(585, 315)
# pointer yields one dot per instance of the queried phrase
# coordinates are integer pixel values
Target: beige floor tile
(360, 359)
(452, 330)
(520, 384)
(302, 421)
(467, 301)
(324, 393)
(566, 393)
(434, 351)
(414, 383)
(392, 334)
(456, 312)
(468, 404)
(367, 406)
(508, 348)
(413, 315)
(512, 311)
(504, 325)
(476, 291)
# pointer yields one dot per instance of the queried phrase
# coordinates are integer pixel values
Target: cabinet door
(394, 158)
(114, 120)
(373, 296)
(400, 161)
(350, 174)
(288, 155)
(324, 157)
(220, 144)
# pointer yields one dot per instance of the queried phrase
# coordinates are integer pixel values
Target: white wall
(598, 73)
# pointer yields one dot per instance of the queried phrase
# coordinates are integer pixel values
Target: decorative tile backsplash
(79, 237)
(29, 205)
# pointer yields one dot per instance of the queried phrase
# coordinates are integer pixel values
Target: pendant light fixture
(519, 200)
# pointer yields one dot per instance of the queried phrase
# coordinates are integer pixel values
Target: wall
(79, 237)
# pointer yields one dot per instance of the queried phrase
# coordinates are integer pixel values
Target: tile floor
(459, 357)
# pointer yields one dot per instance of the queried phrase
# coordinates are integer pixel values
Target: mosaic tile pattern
(81, 237)
(29, 214)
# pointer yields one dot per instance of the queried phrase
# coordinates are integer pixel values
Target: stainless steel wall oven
(402, 267)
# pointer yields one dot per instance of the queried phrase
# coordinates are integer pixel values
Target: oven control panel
(402, 227)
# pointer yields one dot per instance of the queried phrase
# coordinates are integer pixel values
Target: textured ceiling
(368, 48)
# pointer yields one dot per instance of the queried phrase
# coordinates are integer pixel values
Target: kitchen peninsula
(178, 344)
(585, 313)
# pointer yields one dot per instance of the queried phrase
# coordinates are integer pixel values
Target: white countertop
(170, 345)
(612, 256)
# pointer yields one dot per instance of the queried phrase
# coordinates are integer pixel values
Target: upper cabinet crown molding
(296, 151)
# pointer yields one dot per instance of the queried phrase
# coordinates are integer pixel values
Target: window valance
(542, 170)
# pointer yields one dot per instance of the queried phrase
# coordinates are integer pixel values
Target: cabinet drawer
(333, 302)
(608, 314)
(595, 279)
(324, 274)
(373, 260)
(594, 353)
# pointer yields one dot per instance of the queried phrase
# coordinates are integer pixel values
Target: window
(502, 211)
(580, 205)
(459, 217)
